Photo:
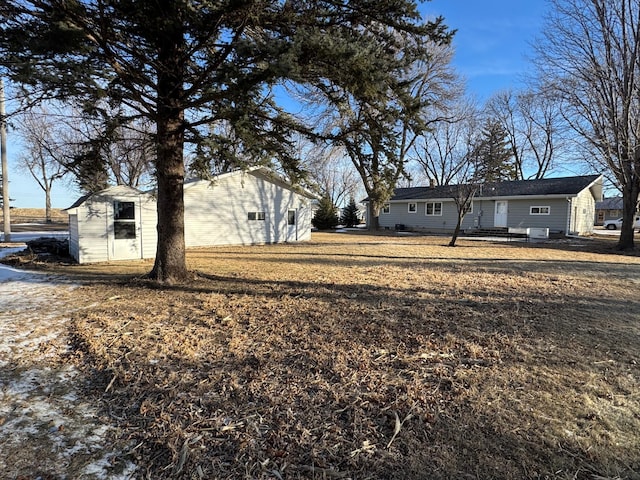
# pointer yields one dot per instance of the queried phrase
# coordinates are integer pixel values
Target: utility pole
(6, 214)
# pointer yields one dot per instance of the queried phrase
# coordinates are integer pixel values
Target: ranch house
(551, 205)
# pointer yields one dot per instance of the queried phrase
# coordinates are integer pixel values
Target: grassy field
(372, 357)
(29, 216)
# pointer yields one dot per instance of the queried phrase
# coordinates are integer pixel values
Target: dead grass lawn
(28, 219)
(357, 356)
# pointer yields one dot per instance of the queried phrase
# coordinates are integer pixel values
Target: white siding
(583, 208)
(216, 212)
(92, 231)
(74, 247)
(94, 235)
(148, 231)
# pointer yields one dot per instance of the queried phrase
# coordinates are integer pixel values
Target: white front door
(125, 241)
(500, 217)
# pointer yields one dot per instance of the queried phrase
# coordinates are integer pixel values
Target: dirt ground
(357, 356)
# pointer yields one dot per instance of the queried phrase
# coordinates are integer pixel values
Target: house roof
(613, 203)
(562, 186)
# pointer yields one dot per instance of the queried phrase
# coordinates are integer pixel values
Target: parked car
(616, 224)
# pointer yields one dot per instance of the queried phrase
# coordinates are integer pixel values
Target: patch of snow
(47, 426)
(22, 237)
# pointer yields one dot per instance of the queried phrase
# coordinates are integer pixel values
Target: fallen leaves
(363, 359)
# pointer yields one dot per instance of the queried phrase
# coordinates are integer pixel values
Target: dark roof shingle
(545, 186)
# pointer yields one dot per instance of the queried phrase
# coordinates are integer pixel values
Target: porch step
(488, 232)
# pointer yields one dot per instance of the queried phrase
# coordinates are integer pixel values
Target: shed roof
(113, 190)
(260, 172)
(569, 186)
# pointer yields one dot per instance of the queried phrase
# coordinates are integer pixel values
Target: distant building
(608, 209)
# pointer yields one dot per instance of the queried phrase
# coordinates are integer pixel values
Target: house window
(413, 208)
(386, 208)
(124, 220)
(256, 216)
(291, 217)
(469, 208)
(539, 210)
(433, 209)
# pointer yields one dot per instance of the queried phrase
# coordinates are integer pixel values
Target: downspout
(569, 216)
(141, 225)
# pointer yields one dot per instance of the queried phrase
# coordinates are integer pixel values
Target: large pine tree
(350, 217)
(184, 64)
(493, 157)
(325, 217)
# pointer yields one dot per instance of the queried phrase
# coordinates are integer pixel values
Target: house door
(292, 226)
(125, 243)
(500, 217)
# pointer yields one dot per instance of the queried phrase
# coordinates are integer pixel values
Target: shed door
(500, 217)
(126, 234)
(292, 226)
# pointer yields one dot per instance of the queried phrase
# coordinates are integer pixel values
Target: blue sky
(492, 44)
(493, 39)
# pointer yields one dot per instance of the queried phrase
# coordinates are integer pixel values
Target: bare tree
(533, 123)
(331, 172)
(102, 151)
(590, 55)
(41, 155)
(441, 150)
(448, 154)
(130, 154)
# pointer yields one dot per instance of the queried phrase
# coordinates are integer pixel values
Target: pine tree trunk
(170, 264)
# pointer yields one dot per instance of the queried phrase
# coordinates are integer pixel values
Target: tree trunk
(170, 264)
(373, 222)
(629, 202)
(456, 231)
(47, 204)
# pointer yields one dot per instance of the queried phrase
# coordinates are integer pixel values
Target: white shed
(118, 223)
(237, 208)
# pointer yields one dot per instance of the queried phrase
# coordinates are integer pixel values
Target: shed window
(124, 220)
(413, 208)
(386, 208)
(539, 210)
(433, 208)
(291, 217)
(256, 216)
